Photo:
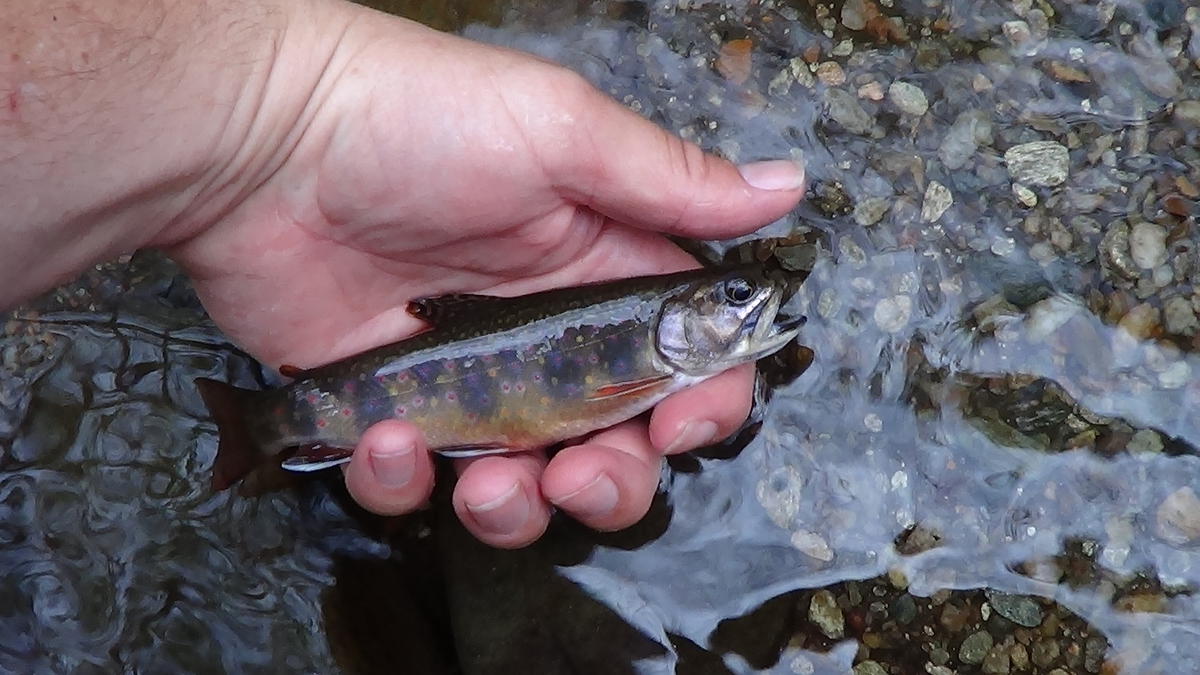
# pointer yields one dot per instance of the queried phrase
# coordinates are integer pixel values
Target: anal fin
(464, 451)
(316, 457)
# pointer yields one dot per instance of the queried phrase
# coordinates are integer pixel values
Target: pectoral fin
(629, 387)
(316, 457)
(294, 372)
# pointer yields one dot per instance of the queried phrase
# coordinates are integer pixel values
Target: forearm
(128, 123)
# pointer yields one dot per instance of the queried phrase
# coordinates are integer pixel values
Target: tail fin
(237, 452)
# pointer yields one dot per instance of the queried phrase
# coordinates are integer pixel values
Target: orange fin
(317, 456)
(237, 453)
(630, 387)
(294, 372)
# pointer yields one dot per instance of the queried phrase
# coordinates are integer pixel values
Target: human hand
(422, 163)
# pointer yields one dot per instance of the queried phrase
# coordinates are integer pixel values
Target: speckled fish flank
(512, 374)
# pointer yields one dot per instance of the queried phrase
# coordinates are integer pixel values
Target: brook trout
(510, 374)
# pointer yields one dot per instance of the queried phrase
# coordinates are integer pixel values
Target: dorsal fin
(441, 309)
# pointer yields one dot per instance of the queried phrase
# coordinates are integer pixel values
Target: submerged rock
(1038, 163)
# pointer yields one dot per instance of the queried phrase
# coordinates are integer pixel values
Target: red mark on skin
(14, 102)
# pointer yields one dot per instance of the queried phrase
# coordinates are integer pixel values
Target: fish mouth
(774, 327)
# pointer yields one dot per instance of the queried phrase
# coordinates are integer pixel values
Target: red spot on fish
(418, 401)
(402, 377)
(381, 378)
(312, 398)
(401, 410)
(593, 359)
(349, 386)
(537, 377)
(449, 365)
(321, 422)
(451, 396)
(520, 386)
(505, 388)
(346, 412)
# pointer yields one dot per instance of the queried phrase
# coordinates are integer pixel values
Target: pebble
(1144, 441)
(1178, 517)
(971, 129)
(846, 111)
(1188, 113)
(1025, 195)
(892, 314)
(825, 613)
(1175, 375)
(831, 73)
(1180, 316)
(1140, 321)
(812, 545)
(908, 98)
(854, 14)
(1019, 609)
(872, 91)
(996, 662)
(871, 210)
(1017, 32)
(975, 647)
(937, 199)
(1038, 163)
(1148, 245)
(869, 668)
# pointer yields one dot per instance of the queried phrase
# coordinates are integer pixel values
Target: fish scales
(532, 385)
(511, 374)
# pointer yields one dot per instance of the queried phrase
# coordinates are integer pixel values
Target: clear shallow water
(1001, 398)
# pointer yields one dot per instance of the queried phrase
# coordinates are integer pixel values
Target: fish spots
(346, 412)
(322, 423)
(520, 387)
(505, 387)
(401, 411)
(312, 398)
(451, 396)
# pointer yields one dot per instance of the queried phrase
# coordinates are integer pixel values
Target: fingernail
(597, 498)
(694, 434)
(393, 467)
(504, 514)
(775, 174)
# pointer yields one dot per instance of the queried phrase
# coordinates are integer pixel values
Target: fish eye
(739, 291)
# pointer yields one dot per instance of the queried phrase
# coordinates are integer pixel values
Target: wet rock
(854, 14)
(1038, 163)
(975, 647)
(1180, 316)
(1017, 32)
(1044, 652)
(831, 73)
(971, 129)
(869, 211)
(1148, 245)
(1114, 248)
(1093, 653)
(1145, 440)
(872, 91)
(825, 613)
(1177, 519)
(844, 109)
(908, 98)
(812, 545)
(904, 609)
(1024, 195)
(1140, 322)
(996, 662)
(1020, 609)
(869, 668)
(892, 314)
(1187, 113)
(937, 199)
(1018, 656)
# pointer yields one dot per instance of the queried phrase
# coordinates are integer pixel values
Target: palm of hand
(520, 178)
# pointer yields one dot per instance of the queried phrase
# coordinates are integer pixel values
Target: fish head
(731, 318)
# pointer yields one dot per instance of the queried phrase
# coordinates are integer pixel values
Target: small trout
(510, 374)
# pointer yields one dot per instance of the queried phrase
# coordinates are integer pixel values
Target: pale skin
(314, 165)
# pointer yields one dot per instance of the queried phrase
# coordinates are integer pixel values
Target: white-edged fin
(465, 451)
(316, 458)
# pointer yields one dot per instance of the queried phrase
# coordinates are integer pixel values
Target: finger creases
(498, 499)
(607, 482)
(705, 413)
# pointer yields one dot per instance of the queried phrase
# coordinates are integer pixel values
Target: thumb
(627, 168)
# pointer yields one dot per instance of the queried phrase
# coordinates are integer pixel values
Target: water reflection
(989, 465)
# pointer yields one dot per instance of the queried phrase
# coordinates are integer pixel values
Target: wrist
(135, 124)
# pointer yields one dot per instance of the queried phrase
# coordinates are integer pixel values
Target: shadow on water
(987, 463)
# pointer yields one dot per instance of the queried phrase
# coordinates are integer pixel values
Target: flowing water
(988, 465)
